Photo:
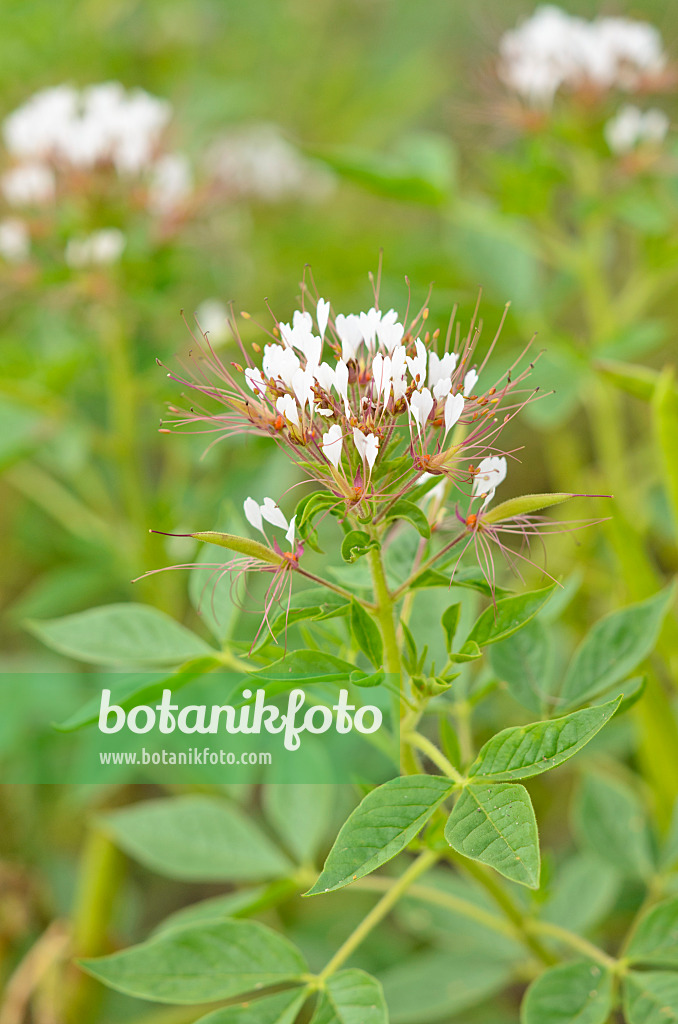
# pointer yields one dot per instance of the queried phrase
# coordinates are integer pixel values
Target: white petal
(290, 533)
(454, 407)
(470, 381)
(332, 444)
(272, 514)
(288, 408)
(371, 449)
(322, 315)
(253, 513)
(254, 380)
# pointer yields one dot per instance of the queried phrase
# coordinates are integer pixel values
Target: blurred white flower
(552, 49)
(15, 242)
(29, 184)
(212, 316)
(631, 126)
(170, 183)
(98, 249)
(258, 162)
(84, 127)
(491, 472)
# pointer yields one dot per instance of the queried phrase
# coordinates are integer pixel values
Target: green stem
(384, 608)
(423, 863)
(100, 867)
(426, 565)
(415, 739)
(332, 586)
(574, 941)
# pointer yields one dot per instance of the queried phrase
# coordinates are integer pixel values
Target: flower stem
(574, 941)
(423, 863)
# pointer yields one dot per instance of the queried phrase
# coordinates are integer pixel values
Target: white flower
(272, 514)
(287, 407)
(350, 335)
(322, 315)
(257, 161)
(254, 380)
(170, 183)
(631, 126)
(369, 322)
(300, 336)
(442, 388)
(30, 184)
(552, 49)
(302, 385)
(253, 513)
(269, 511)
(389, 331)
(381, 374)
(398, 364)
(332, 444)
(417, 364)
(15, 241)
(491, 472)
(212, 317)
(98, 249)
(341, 384)
(367, 446)
(454, 407)
(440, 367)
(325, 375)
(421, 406)
(470, 381)
(280, 364)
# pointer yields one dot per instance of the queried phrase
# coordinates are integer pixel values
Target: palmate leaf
(495, 824)
(351, 997)
(655, 937)
(282, 1008)
(532, 749)
(380, 827)
(580, 992)
(651, 997)
(196, 838)
(201, 964)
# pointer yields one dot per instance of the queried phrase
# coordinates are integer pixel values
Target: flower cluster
(108, 134)
(257, 162)
(365, 403)
(632, 127)
(553, 50)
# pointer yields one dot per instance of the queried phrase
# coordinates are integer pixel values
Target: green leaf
(450, 621)
(614, 647)
(651, 997)
(282, 1008)
(655, 937)
(468, 652)
(129, 690)
(495, 825)
(242, 545)
(524, 505)
(201, 964)
(366, 634)
(610, 820)
(121, 634)
(436, 984)
(507, 616)
(582, 893)
(239, 903)
(351, 997)
(196, 838)
(306, 667)
(574, 993)
(355, 544)
(380, 827)
(300, 814)
(639, 381)
(532, 749)
(524, 662)
(404, 509)
(389, 175)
